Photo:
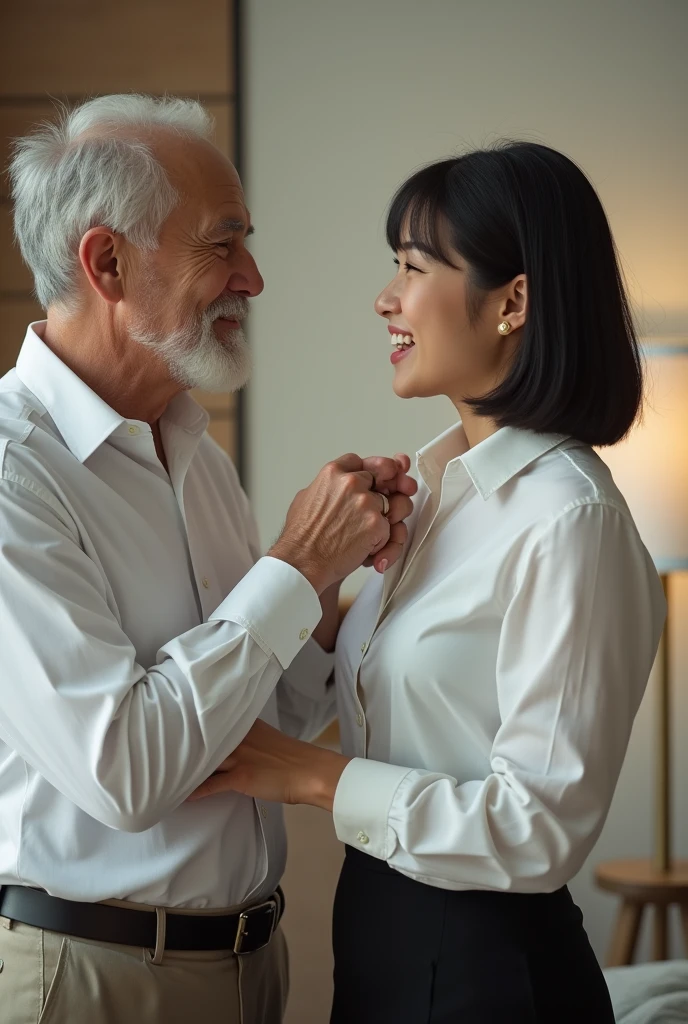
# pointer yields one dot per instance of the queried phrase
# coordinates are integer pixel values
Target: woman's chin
(403, 390)
(407, 384)
(403, 381)
(411, 388)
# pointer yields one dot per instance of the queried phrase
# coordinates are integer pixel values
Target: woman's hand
(271, 766)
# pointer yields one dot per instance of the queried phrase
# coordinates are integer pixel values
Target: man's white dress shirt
(141, 635)
(488, 684)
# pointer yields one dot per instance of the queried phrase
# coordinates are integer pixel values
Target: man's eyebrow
(228, 225)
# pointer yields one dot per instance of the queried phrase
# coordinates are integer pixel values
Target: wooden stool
(639, 883)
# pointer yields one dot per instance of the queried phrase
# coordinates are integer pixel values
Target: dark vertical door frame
(237, 48)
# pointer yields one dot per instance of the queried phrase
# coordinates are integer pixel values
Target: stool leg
(659, 945)
(684, 922)
(625, 934)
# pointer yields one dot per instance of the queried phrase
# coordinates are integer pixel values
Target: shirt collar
(491, 463)
(81, 416)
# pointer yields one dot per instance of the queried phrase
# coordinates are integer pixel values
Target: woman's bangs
(416, 217)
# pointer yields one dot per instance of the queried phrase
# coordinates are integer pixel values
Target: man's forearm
(327, 629)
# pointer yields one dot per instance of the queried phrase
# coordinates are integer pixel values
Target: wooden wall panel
(69, 50)
(15, 317)
(77, 48)
(15, 276)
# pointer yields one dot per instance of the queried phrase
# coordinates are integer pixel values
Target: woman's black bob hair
(522, 208)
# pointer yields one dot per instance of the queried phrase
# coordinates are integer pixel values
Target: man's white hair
(81, 171)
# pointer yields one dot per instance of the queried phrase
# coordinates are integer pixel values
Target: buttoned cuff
(362, 803)
(310, 671)
(276, 605)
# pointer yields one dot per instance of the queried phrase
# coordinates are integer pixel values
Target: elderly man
(142, 633)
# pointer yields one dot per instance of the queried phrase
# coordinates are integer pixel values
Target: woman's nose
(387, 303)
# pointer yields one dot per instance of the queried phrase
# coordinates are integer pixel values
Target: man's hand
(392, 479)
(270, 766)
(336, 524)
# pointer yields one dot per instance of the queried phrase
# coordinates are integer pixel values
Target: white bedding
(655, 993)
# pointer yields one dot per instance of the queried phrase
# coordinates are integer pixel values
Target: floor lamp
(651, 470)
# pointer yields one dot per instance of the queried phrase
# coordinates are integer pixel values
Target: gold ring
(385, 503)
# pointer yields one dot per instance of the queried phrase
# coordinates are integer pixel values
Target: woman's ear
(98, 254)
(514, 306)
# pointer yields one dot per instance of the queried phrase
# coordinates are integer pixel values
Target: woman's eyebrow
(418, 246)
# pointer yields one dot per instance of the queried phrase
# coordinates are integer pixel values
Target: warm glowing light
(651, 466)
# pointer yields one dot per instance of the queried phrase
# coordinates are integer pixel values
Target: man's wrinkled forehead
(212, 197)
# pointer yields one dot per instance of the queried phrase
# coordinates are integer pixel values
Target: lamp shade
(650, 467)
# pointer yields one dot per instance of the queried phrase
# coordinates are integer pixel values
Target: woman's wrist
(325, 633)
(321, 778)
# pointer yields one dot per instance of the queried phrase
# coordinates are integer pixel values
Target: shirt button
(363, 838)
(359, 719)
(264, 811)
(206, 582)
(134, 430)
(303, 634)
(364, 648)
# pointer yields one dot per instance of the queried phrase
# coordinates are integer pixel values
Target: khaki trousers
(48, 978)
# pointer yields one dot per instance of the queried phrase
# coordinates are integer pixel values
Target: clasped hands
(336, 524)
(333, 526)
(390, 477)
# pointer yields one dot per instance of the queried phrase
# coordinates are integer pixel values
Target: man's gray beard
(194, 354)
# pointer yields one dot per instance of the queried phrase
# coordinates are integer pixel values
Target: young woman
(488, 682)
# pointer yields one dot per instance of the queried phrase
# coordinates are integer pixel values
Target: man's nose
(245, 279)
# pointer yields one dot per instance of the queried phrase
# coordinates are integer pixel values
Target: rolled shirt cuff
(362, 804)
(276, 605)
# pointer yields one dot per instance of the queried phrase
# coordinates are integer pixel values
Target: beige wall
(344, 99)
(72, 49)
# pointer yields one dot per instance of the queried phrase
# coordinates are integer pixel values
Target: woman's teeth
(402, 341)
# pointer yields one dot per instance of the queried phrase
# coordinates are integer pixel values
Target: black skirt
(410, 953)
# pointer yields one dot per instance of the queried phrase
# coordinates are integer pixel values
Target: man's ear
(99, 256)
(514, 307)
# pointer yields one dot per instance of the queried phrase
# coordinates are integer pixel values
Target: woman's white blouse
(488, 683)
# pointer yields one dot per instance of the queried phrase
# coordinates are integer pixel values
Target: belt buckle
(242, 927)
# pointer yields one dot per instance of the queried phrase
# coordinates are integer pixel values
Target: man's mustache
(229, 309)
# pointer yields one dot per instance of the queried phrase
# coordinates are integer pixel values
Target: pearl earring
(504, 327)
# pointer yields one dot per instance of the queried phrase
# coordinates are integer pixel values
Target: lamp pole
(662, 858)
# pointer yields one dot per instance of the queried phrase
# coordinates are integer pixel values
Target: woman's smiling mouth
(402, 340)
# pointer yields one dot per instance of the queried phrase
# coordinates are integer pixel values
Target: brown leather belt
(244, 932)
